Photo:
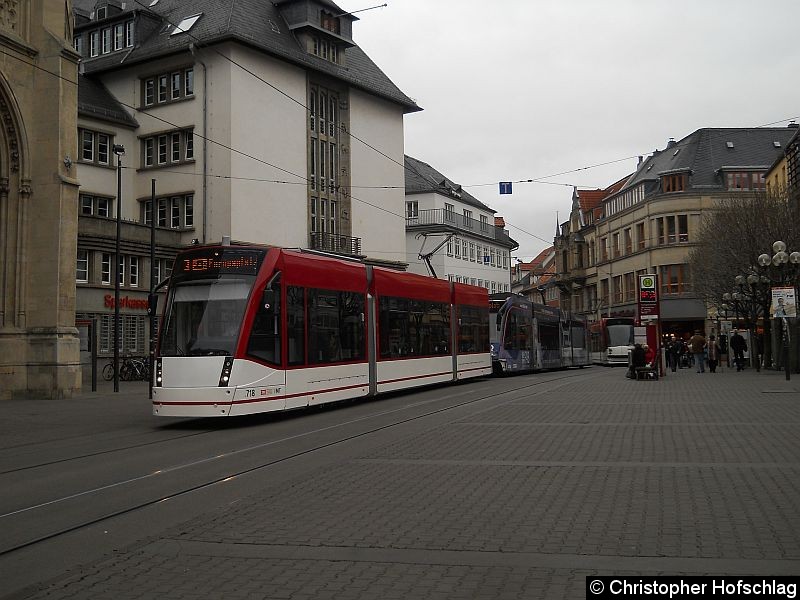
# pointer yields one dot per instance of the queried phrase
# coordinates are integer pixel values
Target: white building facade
(472, 249)
(264, 122)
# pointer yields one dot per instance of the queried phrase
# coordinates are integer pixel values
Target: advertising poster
(783, 303)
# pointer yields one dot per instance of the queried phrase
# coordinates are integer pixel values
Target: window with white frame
(467, 218)
(484, 223)
(95, 147)
(90, 204)
(174, 212)
(167, 148)
(105, 268)
(449, 212)
(412, 209)
(133, 271)
(82, 267)
(168, 87)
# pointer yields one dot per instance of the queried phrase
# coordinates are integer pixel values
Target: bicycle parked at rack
(131, 369)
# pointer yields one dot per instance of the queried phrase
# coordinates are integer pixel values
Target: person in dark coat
(674, 351)
(638, 359)
(739, 347)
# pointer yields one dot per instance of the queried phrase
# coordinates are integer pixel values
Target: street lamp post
(780, 260)
(119, 150)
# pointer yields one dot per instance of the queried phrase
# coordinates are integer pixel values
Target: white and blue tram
(526, 336)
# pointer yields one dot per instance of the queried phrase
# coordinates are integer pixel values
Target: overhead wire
(304, 179)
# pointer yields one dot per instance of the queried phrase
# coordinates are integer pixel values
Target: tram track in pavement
(227, 474)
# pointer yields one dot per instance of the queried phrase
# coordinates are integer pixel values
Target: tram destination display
(211, 262)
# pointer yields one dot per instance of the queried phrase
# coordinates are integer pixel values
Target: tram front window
(620, 335)
(204, 316)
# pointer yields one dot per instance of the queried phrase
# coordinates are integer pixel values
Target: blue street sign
(505, 187)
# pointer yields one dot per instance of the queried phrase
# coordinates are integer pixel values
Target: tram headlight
(225, 376)
(158, 372)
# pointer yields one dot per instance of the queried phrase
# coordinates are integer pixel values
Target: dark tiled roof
(95, 101)
(422, 178)
(706, 151)
(257, 23)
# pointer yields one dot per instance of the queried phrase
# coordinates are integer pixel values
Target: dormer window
(101, 12)
(675, 182)
(329, 21)
(325, 49)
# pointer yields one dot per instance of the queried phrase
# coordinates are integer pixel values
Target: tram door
(517, 347)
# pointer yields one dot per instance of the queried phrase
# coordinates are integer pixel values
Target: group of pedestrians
(703, 350)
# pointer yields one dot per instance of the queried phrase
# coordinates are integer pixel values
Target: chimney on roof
(793, 125)
(641, 160)
(500, 222)
(671, 142)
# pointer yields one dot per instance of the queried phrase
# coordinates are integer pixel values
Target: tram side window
(295, 324)
(413, 328)
(265, 335)
(473, 334)
(335, 326)
(517, 335)
(578, 336)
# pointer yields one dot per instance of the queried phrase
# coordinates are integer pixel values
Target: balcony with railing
(452, 222)
(336, 243)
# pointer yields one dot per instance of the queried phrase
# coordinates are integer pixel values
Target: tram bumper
(192, 402)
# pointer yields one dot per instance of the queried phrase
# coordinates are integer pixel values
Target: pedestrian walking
(739, 347)
(697, 346)
(673, 354)
(714, 351)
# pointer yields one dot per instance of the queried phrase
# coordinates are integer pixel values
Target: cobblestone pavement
(522, 498)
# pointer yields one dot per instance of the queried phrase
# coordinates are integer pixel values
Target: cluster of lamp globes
(781, 257)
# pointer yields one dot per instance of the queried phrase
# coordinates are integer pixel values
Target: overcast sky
(524, 89)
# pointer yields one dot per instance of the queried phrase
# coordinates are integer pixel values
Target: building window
(744, 181)
(173, 212)
(95, 205)
(173, 147)
(674, 279)
(412, 209)
(106, 40)
(484, 223)
(129, 34)
(603, 248)
(94, 43)
(464, 249)
(641, 240)
(449, 212)
(615, 239)
(450, 246)
(82, 267)
(95, 147)
(172, 87)
(119, 36)
(472, 251)
(628, 241)
(672, 229)
(105, 269)
(630, 287)
(673, 183)
(467, 218)
(133, 271)
(175, 87)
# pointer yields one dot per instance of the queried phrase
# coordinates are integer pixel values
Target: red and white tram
(249, 329)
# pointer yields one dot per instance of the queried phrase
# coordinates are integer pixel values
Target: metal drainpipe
(193, 50)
